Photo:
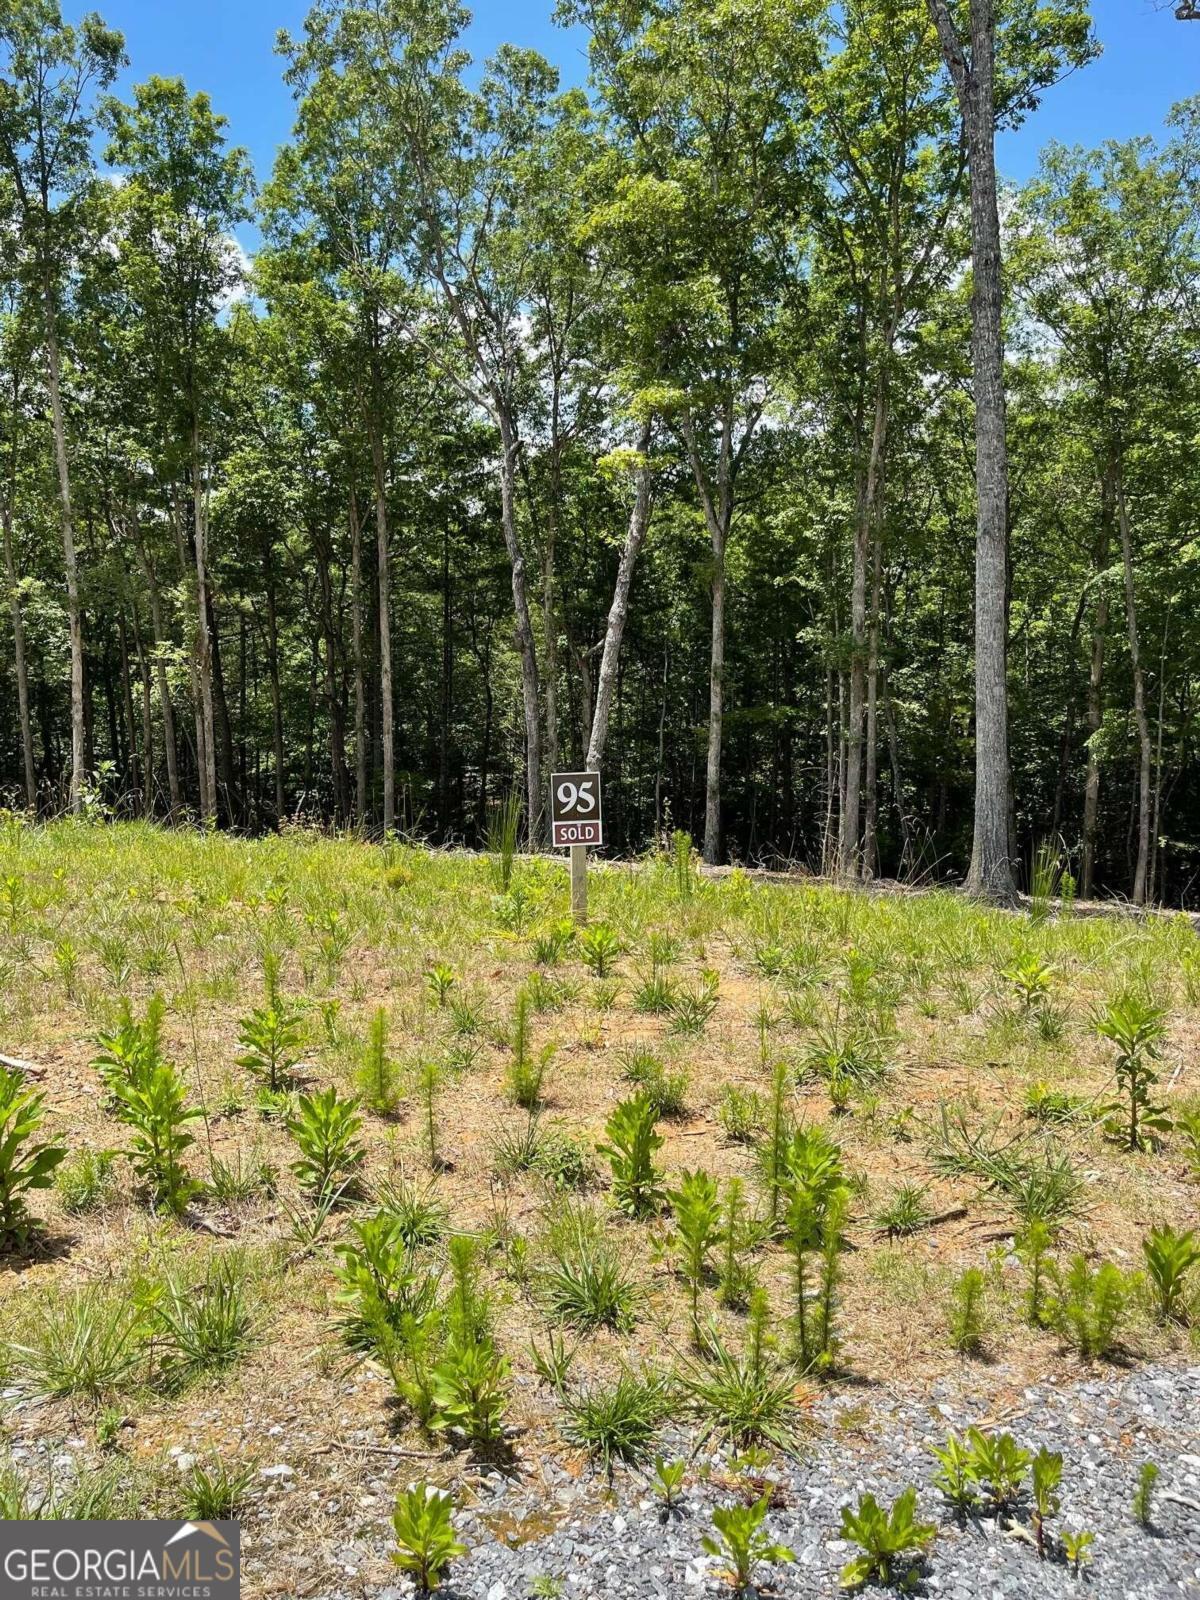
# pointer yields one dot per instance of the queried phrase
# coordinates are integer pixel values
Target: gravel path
(619, 1545)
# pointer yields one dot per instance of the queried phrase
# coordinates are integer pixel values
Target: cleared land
(949, 1055)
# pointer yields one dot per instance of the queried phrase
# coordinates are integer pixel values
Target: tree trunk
(990, 874)
(1141, 719)
(204, 664)
(383, 559)
(74, 612)
(850, 858)
(273, 677)
(618, 613)
(22, 670)
(509, 445)
(360, 715)
(1095, 699)
(160, 668)
(135, 765)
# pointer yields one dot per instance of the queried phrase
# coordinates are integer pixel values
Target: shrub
(885, 1537)
(742, 1542)
(425, 1540)
(326, 1130)
(25, 1162)
(632, 1142)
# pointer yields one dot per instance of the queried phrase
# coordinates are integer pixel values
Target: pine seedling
(697, 1209)
(1143, 1494)
(965, 1312)
(377, 1075)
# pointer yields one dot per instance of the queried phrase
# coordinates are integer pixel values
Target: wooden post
(579, 883)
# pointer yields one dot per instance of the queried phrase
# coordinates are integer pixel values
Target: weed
(25, 1162)
(551, 943)
(1170, 1255)
(586, 1282)
(1033, 1248)
(216, 1491)
(503, 830)
(377, 1074)
(527, 1069)
(440, 981)
(326, 1129)
(380, 1287)
(424, 1531)
(153, 1104)
(631, 1144)
(738, 1237)
(667, 1090)
(906, 1212)
(600, 948)
(1135, 1028)
(692, 1009)
(668, 1481)
(1046, 1477)
(965, 1312)
(204, 1326)
(617, 1420)
(90, 1344)
(749, 1398)
(1143, 1494)
(1077, 1547)
(553, 1364)
(886, 1538)
(997, 1467)
(1089, 1305)
(419, 1215)
(697, 1209)
(742, 1114)
(742, 1543)
(271, 1035)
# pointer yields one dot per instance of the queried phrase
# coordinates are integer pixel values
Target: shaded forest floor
(949, 1051)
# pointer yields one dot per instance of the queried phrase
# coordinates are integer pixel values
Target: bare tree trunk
(204, 666)
(383, 558)
(147, 716)
(74, 612)
(990, 873)
(273, 676)
(22, 670)
(850, 848)
(1095, 699)
(135, 765)
(1141, 719)
(618, 613)
(870, 856)
(509, 445)
(360, 714)
(160, 667)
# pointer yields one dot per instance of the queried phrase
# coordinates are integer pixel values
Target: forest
(656, 426)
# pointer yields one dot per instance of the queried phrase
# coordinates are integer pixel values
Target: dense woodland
(631, 426)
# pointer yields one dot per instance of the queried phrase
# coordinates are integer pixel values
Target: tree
(48, 73)
(1037, 43)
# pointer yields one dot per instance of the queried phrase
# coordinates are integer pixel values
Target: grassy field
(377, 1169)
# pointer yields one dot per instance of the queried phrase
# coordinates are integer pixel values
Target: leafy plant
(741, 1113)
(885, 1537)
(1143, 1494)
(271, 1035)
(424, 1531)
(1135, 1027)
(377, 1074)
(954, 1476)
(631, 1144)
(551, 942)
(416, 1210)
(429, 1080)
(600, 948)
(1170, 1255)
(742, 1542)
(965, 1311)
(587, 1282)
(997, 1465)
(204, 1326)
(748, 1397)
(326, 1129)
(1077, 1547)
(440, 980)
(738, 1236)
(668, 1481)
(1088, 1306)
(25, 1162)
(153, 1104)
(906, 1212)
(1029, 979)
(470, 1390)
(697, 1208)
(1046, 1475)
(90, 1343)
(1187, 1125)
(380, 1287)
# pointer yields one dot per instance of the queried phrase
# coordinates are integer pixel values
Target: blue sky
(227, 47)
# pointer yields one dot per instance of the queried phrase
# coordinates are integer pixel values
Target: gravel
(595, 1543)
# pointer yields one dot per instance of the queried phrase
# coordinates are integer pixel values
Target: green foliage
(667, 1090)
(1135, 1027)
(600, 948)
(1046, 1474)
(150, 1099)
(630, 1148)
(26, 1163)
(742, 1542)
(742, 1114)
(587, 1282)
(377, 1074)
(1089, 1305)
(1143, 1494)
(668, 1481)
(527, 1068)
(616, 1421)
(326, 1128)
(503, 831)
(424, 1531)
(1170, 1255)
(202, 1325)
(380, 1286)
(1033, 1248)
(1077, 1547)
(272, 1035)
(887, 1538)
(216, 1491)
(748, 1397)
(697, 1210)
(440, 981)
(965, 1311)
(817, 1198)
(470, 1390)
(90, 1344)
(906, 1212)
(692, 1009)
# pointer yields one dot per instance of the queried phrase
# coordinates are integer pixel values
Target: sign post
(576, 821)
